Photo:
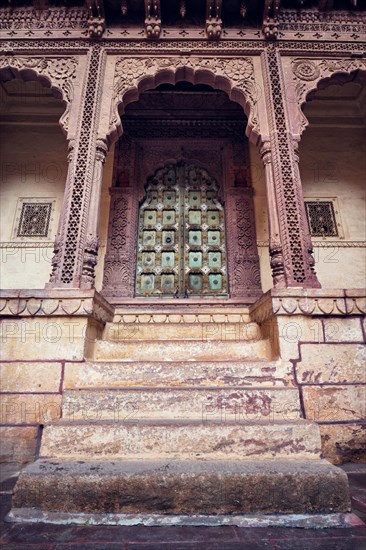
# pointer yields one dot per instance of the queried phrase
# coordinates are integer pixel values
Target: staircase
(181, 418)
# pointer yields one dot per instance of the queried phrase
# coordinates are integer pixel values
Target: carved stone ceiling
(185, 101)
(184, 109)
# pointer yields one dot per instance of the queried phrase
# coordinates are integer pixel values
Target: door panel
(181, 239)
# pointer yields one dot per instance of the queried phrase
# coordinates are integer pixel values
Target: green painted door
(181, 239)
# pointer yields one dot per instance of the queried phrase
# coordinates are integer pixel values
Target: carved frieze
(308, 302)
(27, 303)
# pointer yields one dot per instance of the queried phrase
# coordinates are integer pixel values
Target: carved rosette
(238, 71)
(307, 73)
(59, 71)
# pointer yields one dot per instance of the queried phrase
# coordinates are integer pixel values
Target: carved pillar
(292, 254)
(120, 260)
(275, 247)
(91, 243)
(84, 172)
(243, 259)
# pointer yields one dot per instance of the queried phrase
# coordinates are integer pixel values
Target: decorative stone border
(55, 303)
(309, 302)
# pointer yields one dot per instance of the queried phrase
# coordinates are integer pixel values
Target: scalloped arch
(52, 73)
(339, 77)
(239, 85)
(330, 73)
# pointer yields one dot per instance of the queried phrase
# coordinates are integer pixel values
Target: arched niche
(34, 169)
(332, 166)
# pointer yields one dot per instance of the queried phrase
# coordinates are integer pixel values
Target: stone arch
(329, 184)
(39, 153)
(57, 74)
(313, 75)
(235, 76)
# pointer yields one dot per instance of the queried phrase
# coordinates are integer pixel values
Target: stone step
(181, 350)
(210, 403)
(109, 374)
(182, 331)
(180, 440)
(181, 487)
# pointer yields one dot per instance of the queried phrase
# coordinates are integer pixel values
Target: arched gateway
(181, 221)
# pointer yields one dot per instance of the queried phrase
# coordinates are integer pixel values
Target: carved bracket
(152, 18)
(96, 19)
(59, 72)
(213, 19)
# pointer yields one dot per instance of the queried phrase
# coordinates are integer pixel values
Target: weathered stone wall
(38, 333)
(322, 333)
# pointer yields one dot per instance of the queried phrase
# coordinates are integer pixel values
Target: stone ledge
(183, 487)
(55, 302)
(303, 301)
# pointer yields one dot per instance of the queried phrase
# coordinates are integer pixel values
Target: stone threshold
(303, 521)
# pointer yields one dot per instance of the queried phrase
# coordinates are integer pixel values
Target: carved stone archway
(56, 73)
(310, 75)
(120, 260)
(233, 75)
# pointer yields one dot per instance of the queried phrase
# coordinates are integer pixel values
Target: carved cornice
(78, 22)
(59, 71)
(55, 303)
(238, 72)
(320, 25)
(308, 302)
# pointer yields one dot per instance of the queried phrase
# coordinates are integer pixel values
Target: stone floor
(61, 537)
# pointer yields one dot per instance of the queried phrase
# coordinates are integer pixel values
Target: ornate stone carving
(308, 302)
(121, 247)
(321, 23)
(74, 217)
(239, 72)
(91, 246)
(306, 69)
(28, 303)
(307, 73)
(152, 18)
(96, 20)
(295, 239)
(243, 260)
(59, 71)
(213, 19)
(52, 18)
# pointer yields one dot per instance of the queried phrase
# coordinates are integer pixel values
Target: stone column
(275, 247)
(291, 254)
(91, 243)
(76, 235)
